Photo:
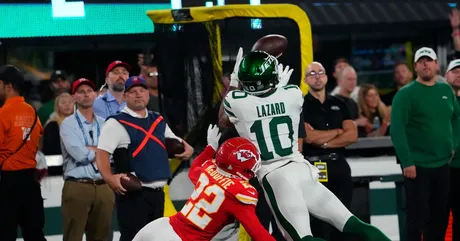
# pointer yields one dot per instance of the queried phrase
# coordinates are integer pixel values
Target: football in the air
(173, 147)
(273, 44)
(131, 183)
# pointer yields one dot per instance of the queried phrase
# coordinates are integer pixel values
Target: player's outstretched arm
(223, 119)
(195, 170)
(208, 153)
(246, 214)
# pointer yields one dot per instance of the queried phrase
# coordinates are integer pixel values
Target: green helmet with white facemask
(258, 72)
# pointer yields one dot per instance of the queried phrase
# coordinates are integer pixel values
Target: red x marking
(148, 134)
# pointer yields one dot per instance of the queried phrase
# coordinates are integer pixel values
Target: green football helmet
(258, 72)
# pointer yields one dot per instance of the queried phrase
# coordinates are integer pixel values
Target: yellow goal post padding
(206, 14)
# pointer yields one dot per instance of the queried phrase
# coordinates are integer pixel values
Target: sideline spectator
(329, 129)
(135, 137)
(422, 118)
(63, 108)
(339, 66)
(87, 201)
(402, 75)
(21, 202)
(112, 101)
(453, 78)
(374, 111)
(347, 81)
(150, 74)
(59, 84)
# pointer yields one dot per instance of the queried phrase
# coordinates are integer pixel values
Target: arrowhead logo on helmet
(245, 155)
(238, 157)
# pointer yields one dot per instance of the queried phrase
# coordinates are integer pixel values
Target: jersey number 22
(192, 209)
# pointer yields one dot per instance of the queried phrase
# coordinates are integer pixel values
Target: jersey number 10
(273, 124)
(191, 210)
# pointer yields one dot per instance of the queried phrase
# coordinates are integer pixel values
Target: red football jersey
(216, 201)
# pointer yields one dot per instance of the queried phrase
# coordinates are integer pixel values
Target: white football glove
(213, 136)
(234, 76)
(284, 75)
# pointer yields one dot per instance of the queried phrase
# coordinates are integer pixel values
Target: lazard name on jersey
(270, 109)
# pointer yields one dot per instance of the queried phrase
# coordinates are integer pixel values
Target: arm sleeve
(400, 112)
(246, 214)
(3, 130)
(345, 110)
(228, 108)
(113, 135)
(170, 134)
(305, 113)
(302, 132)
(456, 121)
(74, 146)
(195, 170)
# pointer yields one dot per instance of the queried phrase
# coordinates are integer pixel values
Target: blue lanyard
(83, 130)
(109, 107)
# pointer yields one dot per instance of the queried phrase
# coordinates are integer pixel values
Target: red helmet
(238, 157)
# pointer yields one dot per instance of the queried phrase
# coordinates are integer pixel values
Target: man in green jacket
(453, 78)
(423, 116)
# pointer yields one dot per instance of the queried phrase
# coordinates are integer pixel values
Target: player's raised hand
(214, 136)
(284, 74)
(234, 76)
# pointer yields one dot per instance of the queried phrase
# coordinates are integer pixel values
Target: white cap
(453, 64)
(425, 52)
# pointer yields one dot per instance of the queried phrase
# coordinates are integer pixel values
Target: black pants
(264, 213)
(341, 184)
(426, 204)
(21, 204)
(137, 209)
(454, 202)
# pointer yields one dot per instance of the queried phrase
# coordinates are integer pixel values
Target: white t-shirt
(114, 135)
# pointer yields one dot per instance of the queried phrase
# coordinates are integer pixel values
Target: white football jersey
(271, 123)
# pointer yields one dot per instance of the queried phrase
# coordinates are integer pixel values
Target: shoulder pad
(245, 193)
(208, 163)
(286, 87)
(294, 89)
(236, 94)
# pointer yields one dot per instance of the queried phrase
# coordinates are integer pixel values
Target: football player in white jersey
(268, 115)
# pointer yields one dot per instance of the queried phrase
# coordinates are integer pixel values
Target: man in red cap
(112, 101)
(84, 188)
(135, 138)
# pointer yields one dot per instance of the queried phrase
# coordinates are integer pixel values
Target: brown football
(131, 183)
(273, 44)
(174, 146)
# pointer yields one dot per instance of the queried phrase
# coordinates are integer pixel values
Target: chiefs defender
(222, 193)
